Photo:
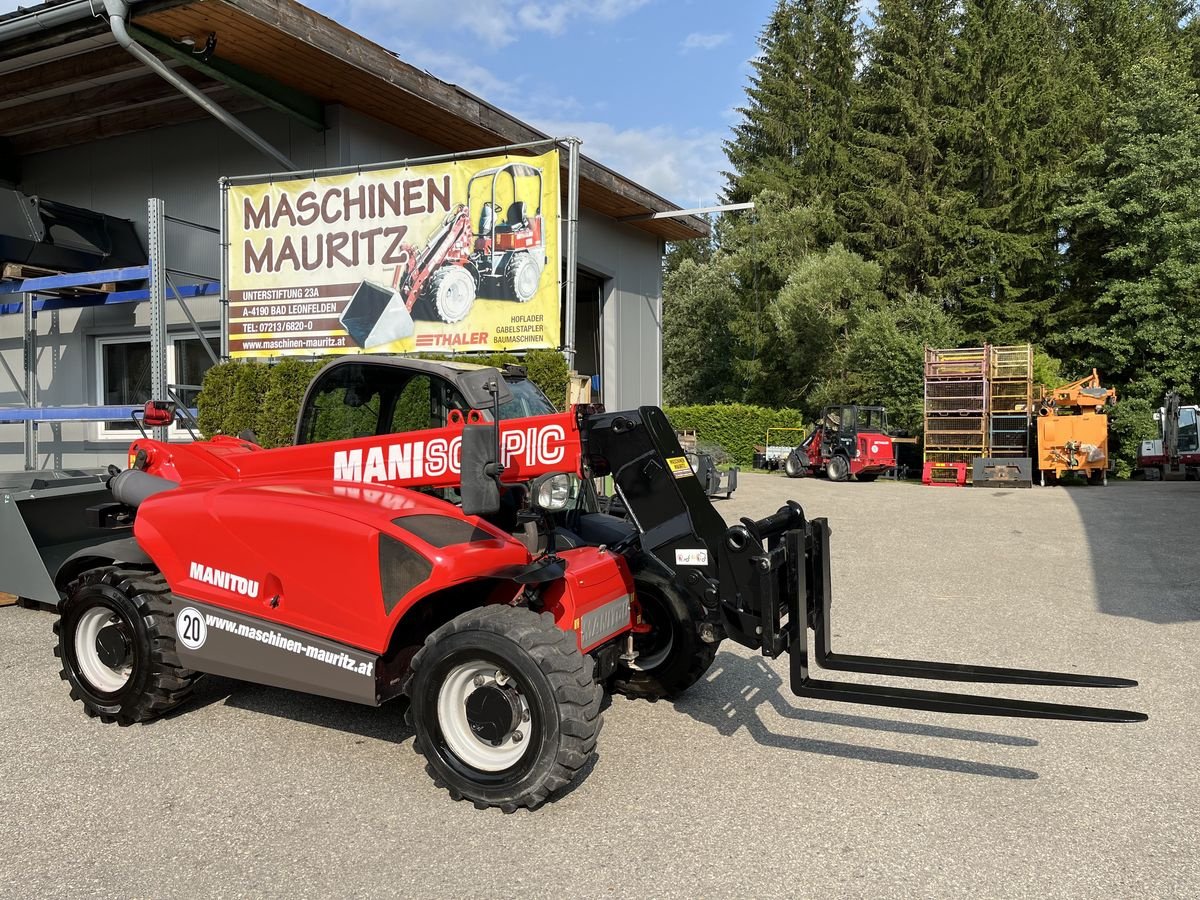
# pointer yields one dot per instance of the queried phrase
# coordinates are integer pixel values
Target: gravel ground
(738, 789)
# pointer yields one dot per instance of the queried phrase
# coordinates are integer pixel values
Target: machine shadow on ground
(736, 691)
(383, 723)
(1144, 548)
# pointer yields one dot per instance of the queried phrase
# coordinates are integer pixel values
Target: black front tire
(838, 468)
(553, 679)
(792, 466)
(671, 655)
(135, 606)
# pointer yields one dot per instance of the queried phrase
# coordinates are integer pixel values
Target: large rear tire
(505, 707)
(116, 640)
(838, 468)
(671, 656)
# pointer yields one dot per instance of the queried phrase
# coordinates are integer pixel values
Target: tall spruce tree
(894, 212)
(1019, 116)
(792, 139)
(777, 119)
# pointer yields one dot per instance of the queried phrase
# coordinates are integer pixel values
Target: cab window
(355, 401)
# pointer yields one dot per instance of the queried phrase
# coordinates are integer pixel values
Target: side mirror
(158, 413)
(480, 471)
(480, 388)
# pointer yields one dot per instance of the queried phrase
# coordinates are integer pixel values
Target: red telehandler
(458, 562)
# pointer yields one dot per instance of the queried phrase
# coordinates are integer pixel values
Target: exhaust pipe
(133, 486)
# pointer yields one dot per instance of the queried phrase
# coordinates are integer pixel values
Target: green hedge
(266, 398)
(734, 427)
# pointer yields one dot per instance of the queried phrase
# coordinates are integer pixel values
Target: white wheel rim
(525, 283)
(455, 295)
(101, 677)
(456, 728)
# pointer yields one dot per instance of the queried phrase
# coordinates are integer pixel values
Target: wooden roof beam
(269, 93)
(59, 74)
(94, 101)
(174, 109)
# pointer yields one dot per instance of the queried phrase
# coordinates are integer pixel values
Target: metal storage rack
(1011, 379)
(29, 296)
(978, 403)
(956, 404)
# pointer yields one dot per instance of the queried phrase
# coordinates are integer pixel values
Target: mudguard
(122, 551)
(341, 561)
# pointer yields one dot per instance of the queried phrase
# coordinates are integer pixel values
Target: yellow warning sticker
(679, 466)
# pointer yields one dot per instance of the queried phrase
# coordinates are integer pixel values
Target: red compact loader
(850, 442)
(433, 536)
(502, 260)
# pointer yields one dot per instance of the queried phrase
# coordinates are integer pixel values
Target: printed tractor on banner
(502, 259)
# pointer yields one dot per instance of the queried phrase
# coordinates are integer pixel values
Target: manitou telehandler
(458, 563)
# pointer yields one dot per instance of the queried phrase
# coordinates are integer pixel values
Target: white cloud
(505, 92)
(698, 41)
(455, 69)
(683, 167)
(496, 23)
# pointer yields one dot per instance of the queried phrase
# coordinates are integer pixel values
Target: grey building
(85, 122)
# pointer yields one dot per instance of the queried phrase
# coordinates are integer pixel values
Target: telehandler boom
(464, 567)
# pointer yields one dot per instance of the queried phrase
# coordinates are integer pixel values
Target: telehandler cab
(458, 562)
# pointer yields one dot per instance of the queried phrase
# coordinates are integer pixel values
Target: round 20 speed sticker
(190, 628)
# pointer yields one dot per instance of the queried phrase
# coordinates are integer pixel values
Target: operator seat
(515, 219)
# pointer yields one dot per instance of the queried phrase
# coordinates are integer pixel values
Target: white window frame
(103, 431)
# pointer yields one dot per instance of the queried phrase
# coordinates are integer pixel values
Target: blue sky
(651, 86)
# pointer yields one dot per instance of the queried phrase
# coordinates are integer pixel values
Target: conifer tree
(894, 210)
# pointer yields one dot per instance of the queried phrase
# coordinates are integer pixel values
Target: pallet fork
(764, 583)
(808, 602)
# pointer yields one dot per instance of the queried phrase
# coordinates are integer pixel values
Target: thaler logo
(226, 581)
(544, 446)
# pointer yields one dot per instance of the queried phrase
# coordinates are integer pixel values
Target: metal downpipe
(118, 14)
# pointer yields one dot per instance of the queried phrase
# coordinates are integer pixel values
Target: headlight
(553, 493)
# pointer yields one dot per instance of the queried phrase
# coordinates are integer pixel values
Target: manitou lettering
(417, 460)
(226, 581)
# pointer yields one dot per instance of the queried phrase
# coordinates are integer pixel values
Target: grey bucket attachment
(1003, 472)
(42, 522)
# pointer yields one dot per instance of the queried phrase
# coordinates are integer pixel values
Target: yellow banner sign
(453, 256)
